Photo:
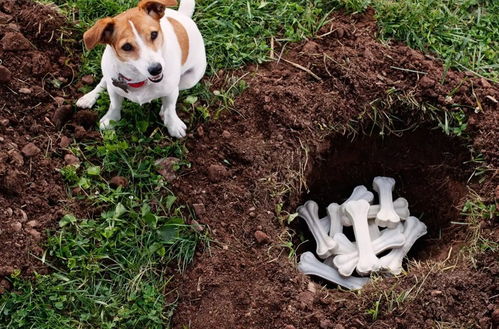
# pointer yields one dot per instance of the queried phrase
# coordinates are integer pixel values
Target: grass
(109, 269)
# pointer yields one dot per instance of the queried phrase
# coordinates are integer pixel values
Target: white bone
(312, 266)
(389, 238)
(374, 232)
(325, 244)
(357, 212)
(359, 193)
(335, 225)
(413, 230)
(386, 217)
(400, 205)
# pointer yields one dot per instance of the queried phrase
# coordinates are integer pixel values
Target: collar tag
(121, 83)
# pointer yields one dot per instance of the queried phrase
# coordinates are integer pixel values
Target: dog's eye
(127, 47)
(154, 35)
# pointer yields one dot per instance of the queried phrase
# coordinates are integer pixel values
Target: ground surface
(36, 73)
(289, 138)
(281, 139)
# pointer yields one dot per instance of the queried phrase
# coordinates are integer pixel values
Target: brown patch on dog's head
(118, 33)
(156, 8)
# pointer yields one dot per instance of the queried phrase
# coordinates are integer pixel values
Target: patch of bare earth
(286, 143)
(36, 90)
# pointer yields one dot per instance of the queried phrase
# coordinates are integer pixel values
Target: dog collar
(124, 83)
(132, 84)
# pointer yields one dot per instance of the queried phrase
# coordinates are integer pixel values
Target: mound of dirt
(36, 85)
(285, 143)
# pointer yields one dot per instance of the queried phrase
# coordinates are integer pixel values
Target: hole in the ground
(427, 166)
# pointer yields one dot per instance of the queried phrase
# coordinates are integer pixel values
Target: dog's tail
(187, 7)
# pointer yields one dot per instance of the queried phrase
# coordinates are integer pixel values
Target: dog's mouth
(156, 78)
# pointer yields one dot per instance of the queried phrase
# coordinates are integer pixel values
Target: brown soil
(36, 75)
(285, 143)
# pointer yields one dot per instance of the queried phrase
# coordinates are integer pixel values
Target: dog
(151, 52)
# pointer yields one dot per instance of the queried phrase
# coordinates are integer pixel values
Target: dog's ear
(101, 32)
(156, 8)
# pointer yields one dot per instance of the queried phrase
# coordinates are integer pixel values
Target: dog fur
(139, 42)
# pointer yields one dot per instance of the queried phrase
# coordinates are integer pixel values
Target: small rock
(35, 234)
(426, 83)
(225, 134)
(199, 209)
(15, 41)
(166, 168)
(59, 100)
(289, 326)
(326, 324)
(87, 79)
(197, 226)
(25, 91)
(30, 150)
(5, 75)
(118, 181)
(65, 142)
(200, 131)
(6, 270)
(252, 214)
(33, 223)
(4, 286)
(9, 212)
(261, 237)
(495, 317)
(4, 122)
(24, 216)
(435, 293)
(311, 287)
(16, 227)
(216, 173)
(311, 47)
(71, 159)
(306, 299)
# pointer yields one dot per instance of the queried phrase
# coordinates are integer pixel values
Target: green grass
(109, 270)
(464, 33)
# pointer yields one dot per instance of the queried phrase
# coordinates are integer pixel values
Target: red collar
(133, 84)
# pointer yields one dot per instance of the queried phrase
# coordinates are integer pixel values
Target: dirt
(304, 129)
(36, 81)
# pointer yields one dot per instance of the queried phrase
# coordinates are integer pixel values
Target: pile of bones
(377, 228)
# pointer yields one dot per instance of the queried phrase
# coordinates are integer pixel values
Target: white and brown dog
(152, 52)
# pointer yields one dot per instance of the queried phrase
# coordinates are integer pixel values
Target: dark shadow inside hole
(429, 170)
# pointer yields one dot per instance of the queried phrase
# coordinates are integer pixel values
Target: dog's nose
(155, 69)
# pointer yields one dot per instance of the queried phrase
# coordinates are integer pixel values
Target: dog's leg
(88, 100)
(168, 113)
(114, 112)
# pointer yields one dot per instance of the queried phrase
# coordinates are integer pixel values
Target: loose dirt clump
(290, 138)
(36, 75)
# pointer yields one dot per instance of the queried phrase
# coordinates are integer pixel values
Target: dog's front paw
(87, 101)
(176, 128)
(107, 122)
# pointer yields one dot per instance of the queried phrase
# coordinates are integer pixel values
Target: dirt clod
(118, 181)
(5, 74)
(217, 173)
(71, 159)
(25, 91)
(86, 118)
(64, 142)
(199, 209)
(15, 41)
(262, 237)
(30, 150)
(62, 115)
(88, 79)
(166, 167)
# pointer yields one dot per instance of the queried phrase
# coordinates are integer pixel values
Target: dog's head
(135, 36)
